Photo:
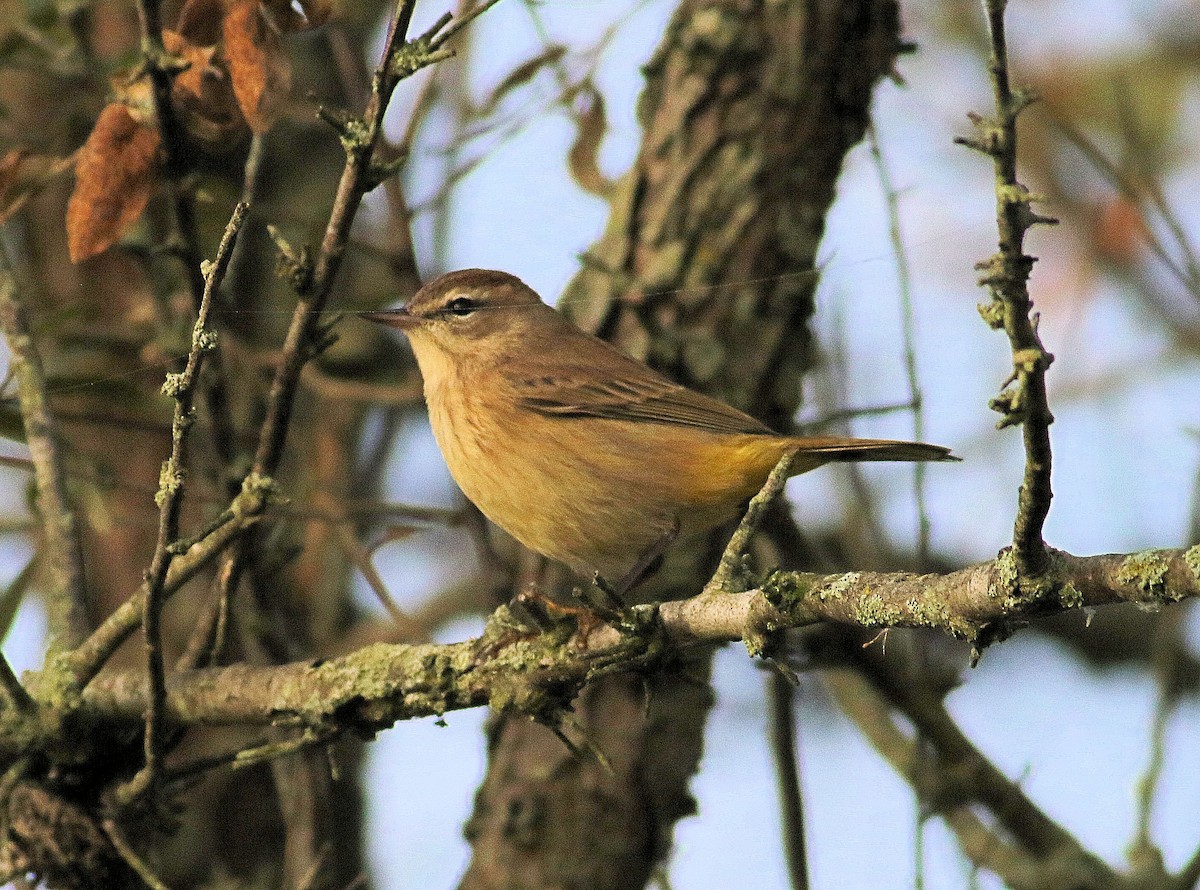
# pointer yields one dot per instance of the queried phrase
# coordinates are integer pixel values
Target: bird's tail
(837, 448)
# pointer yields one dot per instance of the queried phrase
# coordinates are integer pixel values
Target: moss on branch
(537, 672)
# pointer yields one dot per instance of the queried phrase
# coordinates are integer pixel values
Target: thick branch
(514, 668)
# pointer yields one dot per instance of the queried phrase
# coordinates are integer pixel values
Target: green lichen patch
(930, 610)
(785, 590)
(1006, 577)
(1070, 596)
(1146, 571)
(872, 611)
(839, 588)
(1191, 558)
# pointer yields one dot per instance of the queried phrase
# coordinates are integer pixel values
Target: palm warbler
(579, 452)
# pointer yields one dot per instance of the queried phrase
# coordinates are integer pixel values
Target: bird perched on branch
(578, 451)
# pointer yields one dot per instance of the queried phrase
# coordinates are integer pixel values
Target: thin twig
(1140, 155)
(982, 844)
(782, 695)
(186, 240)
(63, 550)
(1006, 276)
(259, 752)
(731, 566)
(131, 856)
(208, 637)
(361, 560)
(958, 757)
(1129, 189)
(246, 509)
(1165, 651)
(832, 418)
(909, 336)
(154, 57)
(182, 387)
(17, 463)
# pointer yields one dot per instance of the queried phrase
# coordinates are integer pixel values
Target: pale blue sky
(1125, 464)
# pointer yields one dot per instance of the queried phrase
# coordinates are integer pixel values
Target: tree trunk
(706, 271)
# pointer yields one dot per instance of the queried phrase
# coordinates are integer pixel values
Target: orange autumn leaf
(258, 65)
(203, 95)
(198, 58)
(114, 178)
(22, 174)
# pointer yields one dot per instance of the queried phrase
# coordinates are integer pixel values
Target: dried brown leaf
(258, 64)
(200, 21)
(203, 95)
(591, 123)
(198, 58)
(114, 178)
(22, 174)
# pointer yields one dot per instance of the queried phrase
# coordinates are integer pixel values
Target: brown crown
(487, 285)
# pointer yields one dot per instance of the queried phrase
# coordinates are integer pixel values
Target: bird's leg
(649, 562)
(608, 600)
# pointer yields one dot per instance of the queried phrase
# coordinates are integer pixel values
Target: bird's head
(467, 312)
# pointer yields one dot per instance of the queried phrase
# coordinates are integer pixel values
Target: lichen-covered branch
(182, 387)
(85, 661)
(1006, 274)
(177, 163)
(362, 172)
(706, 271)
(537, 672)
(60, 533)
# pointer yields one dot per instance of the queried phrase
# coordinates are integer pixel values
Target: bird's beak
(399, 317)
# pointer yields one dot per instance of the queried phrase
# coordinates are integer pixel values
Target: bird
(580, 452)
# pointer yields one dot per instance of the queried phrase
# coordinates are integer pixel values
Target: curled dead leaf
(203, 94)
(258, 65)
(199, 22)
(198, 59)
(22, 175)
(591, 123)
(114, 177)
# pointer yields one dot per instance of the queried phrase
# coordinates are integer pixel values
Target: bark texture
(120, 318)
(705, 271)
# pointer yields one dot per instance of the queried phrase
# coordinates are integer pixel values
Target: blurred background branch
(714, 195)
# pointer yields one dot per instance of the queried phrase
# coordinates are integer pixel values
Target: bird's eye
(461, 306)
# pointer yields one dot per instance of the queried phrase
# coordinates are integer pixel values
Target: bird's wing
(634, 393)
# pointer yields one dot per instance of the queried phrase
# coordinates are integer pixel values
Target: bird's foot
(540, 614)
